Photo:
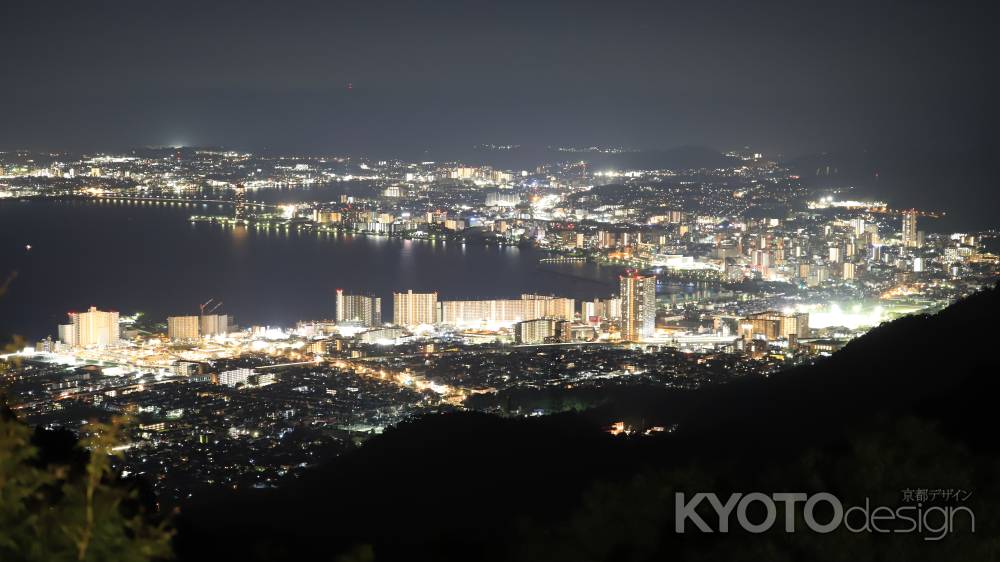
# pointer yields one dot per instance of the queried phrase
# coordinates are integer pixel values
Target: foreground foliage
(52, 512)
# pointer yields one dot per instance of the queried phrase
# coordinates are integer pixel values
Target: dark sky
(790, 76)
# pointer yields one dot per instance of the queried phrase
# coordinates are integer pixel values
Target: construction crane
(204, 305)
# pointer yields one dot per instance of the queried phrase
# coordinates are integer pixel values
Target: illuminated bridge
(179, 200)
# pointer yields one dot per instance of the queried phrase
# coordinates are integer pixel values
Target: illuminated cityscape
(684, 269)
(498, 281)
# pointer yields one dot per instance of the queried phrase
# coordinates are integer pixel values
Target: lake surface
(148, 257)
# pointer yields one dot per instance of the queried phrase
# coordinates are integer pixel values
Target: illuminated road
(402, 378)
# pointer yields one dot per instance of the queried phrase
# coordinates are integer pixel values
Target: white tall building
(506, 311)
(183, 327)
(543, 306)
(360, 309)
(597, 310)
(909, 234)
(235, 376)
(414, 309)
(638, 305)
(94, 328)
(858, 224)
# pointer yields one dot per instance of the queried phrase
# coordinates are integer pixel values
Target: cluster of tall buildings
(635, 308)
(594, 311)
(412, 309)
(774, 325)
(502, 198)
(99, 328)
(194, 327)
(535, 318)
(483, 173)
(367, 216)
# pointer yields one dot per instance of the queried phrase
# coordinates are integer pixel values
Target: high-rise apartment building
(544, 306)
(849, 272)
(359, 309)
(506, 311)
(183, 327)
(542, 330)
(414, 309)
(638, 305)
(910, 239)
(498, 311)
(91, 328)
(858, 225)
(216, 324)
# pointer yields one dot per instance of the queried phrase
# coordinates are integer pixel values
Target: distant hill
(527, 158)
(911, 403)
(961, 183)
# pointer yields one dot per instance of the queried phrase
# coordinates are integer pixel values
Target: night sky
(400, 77)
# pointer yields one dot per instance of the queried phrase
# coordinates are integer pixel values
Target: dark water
(148, 257)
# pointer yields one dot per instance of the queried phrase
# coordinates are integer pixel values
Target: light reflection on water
(131, 256)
